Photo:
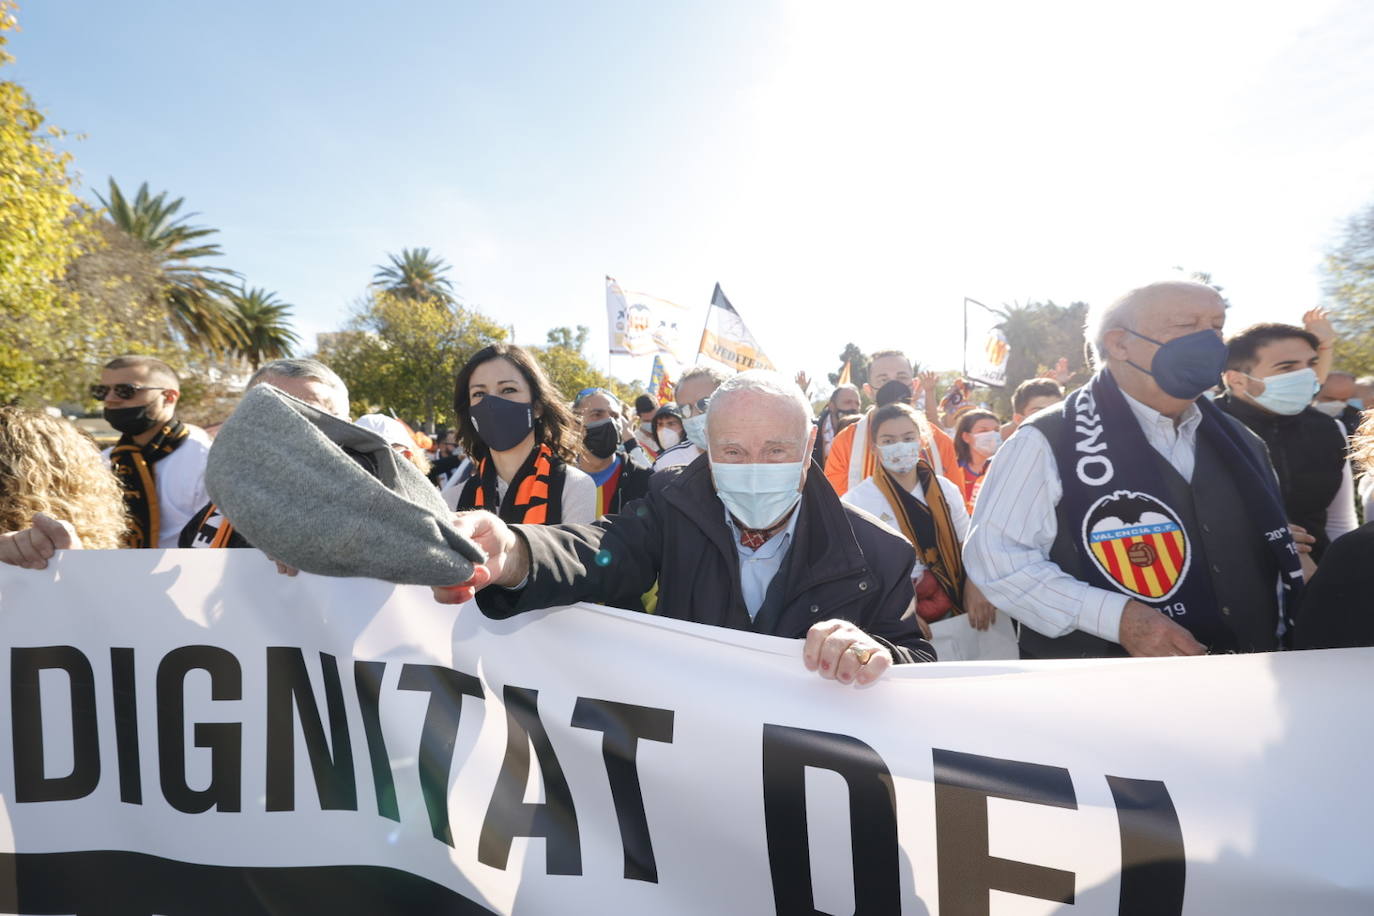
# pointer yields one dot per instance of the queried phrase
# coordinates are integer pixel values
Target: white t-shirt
(180, 481)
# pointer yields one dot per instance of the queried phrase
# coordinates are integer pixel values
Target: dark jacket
(1308, 453)
(1338, 604)
(842, 564)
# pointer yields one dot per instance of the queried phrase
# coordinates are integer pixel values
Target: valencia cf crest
(1138, 543)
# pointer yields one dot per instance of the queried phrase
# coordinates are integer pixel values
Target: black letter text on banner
(26, 721)
(623, 725)
(289, 692)
(963, 785)
(787, 752)
(446, 689)
(224, 739)
(509, 816)
(1153, 864)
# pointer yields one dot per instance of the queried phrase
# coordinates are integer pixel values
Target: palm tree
(262, 325)
(194, 293)
(417, 275)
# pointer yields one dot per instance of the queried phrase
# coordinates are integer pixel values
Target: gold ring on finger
(863, 655)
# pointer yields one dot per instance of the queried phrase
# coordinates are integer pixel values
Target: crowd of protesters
(1199, 493)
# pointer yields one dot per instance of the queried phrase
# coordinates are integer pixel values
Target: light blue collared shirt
(758, 567)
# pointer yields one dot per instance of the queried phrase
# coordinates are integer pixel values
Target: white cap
(389, 428)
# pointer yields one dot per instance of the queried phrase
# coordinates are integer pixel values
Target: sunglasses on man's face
(695, 410)
(122, 391)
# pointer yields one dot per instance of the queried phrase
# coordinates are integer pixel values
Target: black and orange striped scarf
(133, 465)
(534, 497)
(929, 527)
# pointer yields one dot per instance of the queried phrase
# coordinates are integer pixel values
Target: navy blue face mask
(501, 423)
(1186, 366)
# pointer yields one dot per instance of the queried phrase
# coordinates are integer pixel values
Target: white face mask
(758, 494)
(1331, 408)
(988, 443)
(1287, 393)
(695, 428)
(668, 437)
(899, 457)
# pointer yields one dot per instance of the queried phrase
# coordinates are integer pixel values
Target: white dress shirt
(1007, 553)
(757, 568)
(180, 482)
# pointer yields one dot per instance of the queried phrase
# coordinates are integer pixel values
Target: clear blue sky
(846, 172)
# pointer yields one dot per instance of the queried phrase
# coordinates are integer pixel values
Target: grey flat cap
(280, 474)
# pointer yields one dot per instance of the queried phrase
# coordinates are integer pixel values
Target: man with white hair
(307, 380)
(743, 537)
(1139, 518)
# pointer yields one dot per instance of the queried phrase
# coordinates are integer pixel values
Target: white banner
(192, 733)
(642, 325)
(986, 349)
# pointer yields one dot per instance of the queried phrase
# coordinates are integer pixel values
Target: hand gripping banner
(191, 733)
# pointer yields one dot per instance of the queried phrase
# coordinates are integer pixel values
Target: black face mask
(501, 424)
(131, 420)
(602, 438)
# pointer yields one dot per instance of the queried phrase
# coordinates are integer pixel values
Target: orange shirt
(837, 463)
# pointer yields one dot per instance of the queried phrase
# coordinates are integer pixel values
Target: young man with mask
(618, 480)
(852, 459)
(160, 461)
(645, 408)
(693, 393)
(1271, 379)
(744, 538)
(1139, 518)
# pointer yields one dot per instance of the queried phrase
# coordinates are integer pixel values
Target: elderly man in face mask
(743, 537)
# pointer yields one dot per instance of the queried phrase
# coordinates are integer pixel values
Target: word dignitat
(159, 460)
(743, 537)
(1156, 526)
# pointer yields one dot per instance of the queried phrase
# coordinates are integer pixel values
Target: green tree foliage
(263, 327)
(567, 366)
(401, 354)
(417, 275)
(40, 232)
(858, 366)
(1040, 334)
(194, 294)
(1349, 271)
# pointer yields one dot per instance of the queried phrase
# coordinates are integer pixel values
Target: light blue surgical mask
(758, 495)
(1288, 393)
(695, 429)
(1357, 403)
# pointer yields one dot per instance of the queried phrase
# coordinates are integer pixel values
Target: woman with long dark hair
(522, 439)
(977, 436)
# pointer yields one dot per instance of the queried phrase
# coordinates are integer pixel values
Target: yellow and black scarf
(133, 465)
(929, 527)
(534, 497)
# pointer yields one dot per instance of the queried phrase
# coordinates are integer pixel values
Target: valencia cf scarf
(929, 527)
(133, 465)
(534, 496)
(1129, 538)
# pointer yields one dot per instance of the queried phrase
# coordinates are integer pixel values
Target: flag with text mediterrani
(641, 325)
(727, 341)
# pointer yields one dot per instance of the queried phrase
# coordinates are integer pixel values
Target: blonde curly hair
(48, 466)
(1362, 445)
